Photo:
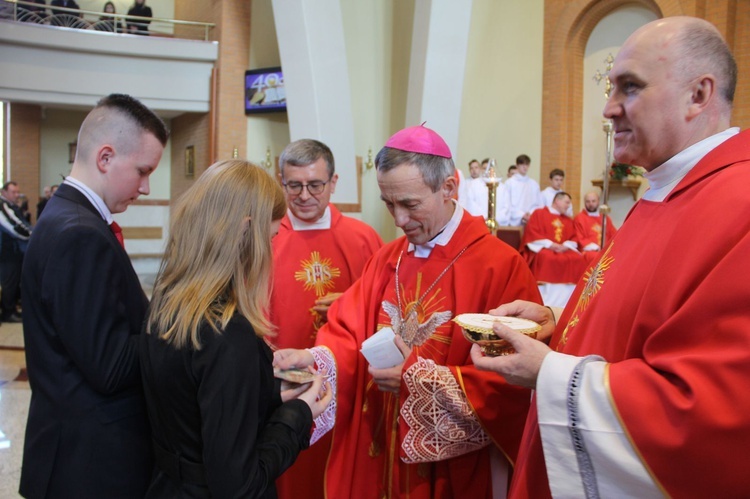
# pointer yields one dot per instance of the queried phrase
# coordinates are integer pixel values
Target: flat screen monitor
(264, 91)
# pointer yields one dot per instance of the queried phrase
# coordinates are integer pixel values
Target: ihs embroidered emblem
(317, 274)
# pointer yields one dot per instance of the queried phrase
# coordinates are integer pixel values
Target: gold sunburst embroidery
(594, 279)
(317, 274)
(594, 282)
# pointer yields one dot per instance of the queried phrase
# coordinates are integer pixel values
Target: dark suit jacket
(83, 307)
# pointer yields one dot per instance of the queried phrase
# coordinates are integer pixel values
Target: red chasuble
(667, 306)
(548, 266)
(589, 230)
(368, 451)
(309, 264)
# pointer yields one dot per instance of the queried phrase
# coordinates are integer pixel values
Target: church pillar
(438, 60)
(316, 79)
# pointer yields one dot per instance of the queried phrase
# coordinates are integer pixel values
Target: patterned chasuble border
(440, 420)
(326, 364)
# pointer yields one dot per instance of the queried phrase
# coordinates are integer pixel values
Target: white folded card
(380, 350)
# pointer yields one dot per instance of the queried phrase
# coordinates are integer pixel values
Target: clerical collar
(665, 177)
(443, 237)
(553, 211)
(322, 223)
(91, 196)
(592, 213)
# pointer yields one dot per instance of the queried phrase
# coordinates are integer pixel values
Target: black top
(140, 25)
(219, 410)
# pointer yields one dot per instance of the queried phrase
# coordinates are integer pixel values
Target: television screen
(264, 91)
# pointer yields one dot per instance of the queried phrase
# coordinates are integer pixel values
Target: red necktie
(117, 231)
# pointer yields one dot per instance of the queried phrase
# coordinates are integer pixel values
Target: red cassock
(667, 307)
(309, 264)
(441, 392)
(548, 266)
(589, 230)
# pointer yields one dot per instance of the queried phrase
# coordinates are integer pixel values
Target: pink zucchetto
(419, 139)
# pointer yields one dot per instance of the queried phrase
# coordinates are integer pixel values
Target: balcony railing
(32, 12)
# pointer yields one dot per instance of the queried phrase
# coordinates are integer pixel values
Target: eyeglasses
(314, 188)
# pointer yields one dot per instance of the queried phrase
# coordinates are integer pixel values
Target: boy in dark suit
(87, 434)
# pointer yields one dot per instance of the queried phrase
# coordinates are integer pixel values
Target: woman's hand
(288, 358)
(317, 395)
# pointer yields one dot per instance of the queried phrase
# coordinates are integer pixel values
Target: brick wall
(216, 134)
(23, 156)
(567, 27)
(188, 130)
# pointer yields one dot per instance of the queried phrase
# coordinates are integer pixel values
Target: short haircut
(705, 51)
(145, 118)
(485, 161)
(434, 169)
(8, 183)
(511, 168)
(556, 173)
(305, 152)
(523, 160)
(559, 195)
(473, 161)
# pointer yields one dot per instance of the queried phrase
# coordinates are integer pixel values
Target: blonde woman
(221, 427)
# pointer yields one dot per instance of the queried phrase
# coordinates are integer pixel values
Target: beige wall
(377, 50)
(59, 127)
(502, 99)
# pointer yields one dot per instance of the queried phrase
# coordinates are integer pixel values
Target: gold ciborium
(477, 328)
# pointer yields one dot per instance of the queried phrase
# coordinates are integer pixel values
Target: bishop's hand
(389, 379)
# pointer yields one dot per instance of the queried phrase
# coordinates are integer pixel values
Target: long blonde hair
(218, 258)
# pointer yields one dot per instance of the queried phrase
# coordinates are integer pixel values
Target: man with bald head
(642, 391)
(588, 227)
(87, 433)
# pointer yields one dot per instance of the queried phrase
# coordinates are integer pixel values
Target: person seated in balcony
(68, 4)
(32, 13)
(551, 251)
(139, 26)
(107, 22)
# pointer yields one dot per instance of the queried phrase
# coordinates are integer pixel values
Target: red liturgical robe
(309, 264)
(589, 231)
(375, 452)
(547, 265)
(667, 307)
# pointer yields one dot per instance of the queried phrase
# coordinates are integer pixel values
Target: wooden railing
(30, 12)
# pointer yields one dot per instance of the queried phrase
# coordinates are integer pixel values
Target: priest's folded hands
(520, 368)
